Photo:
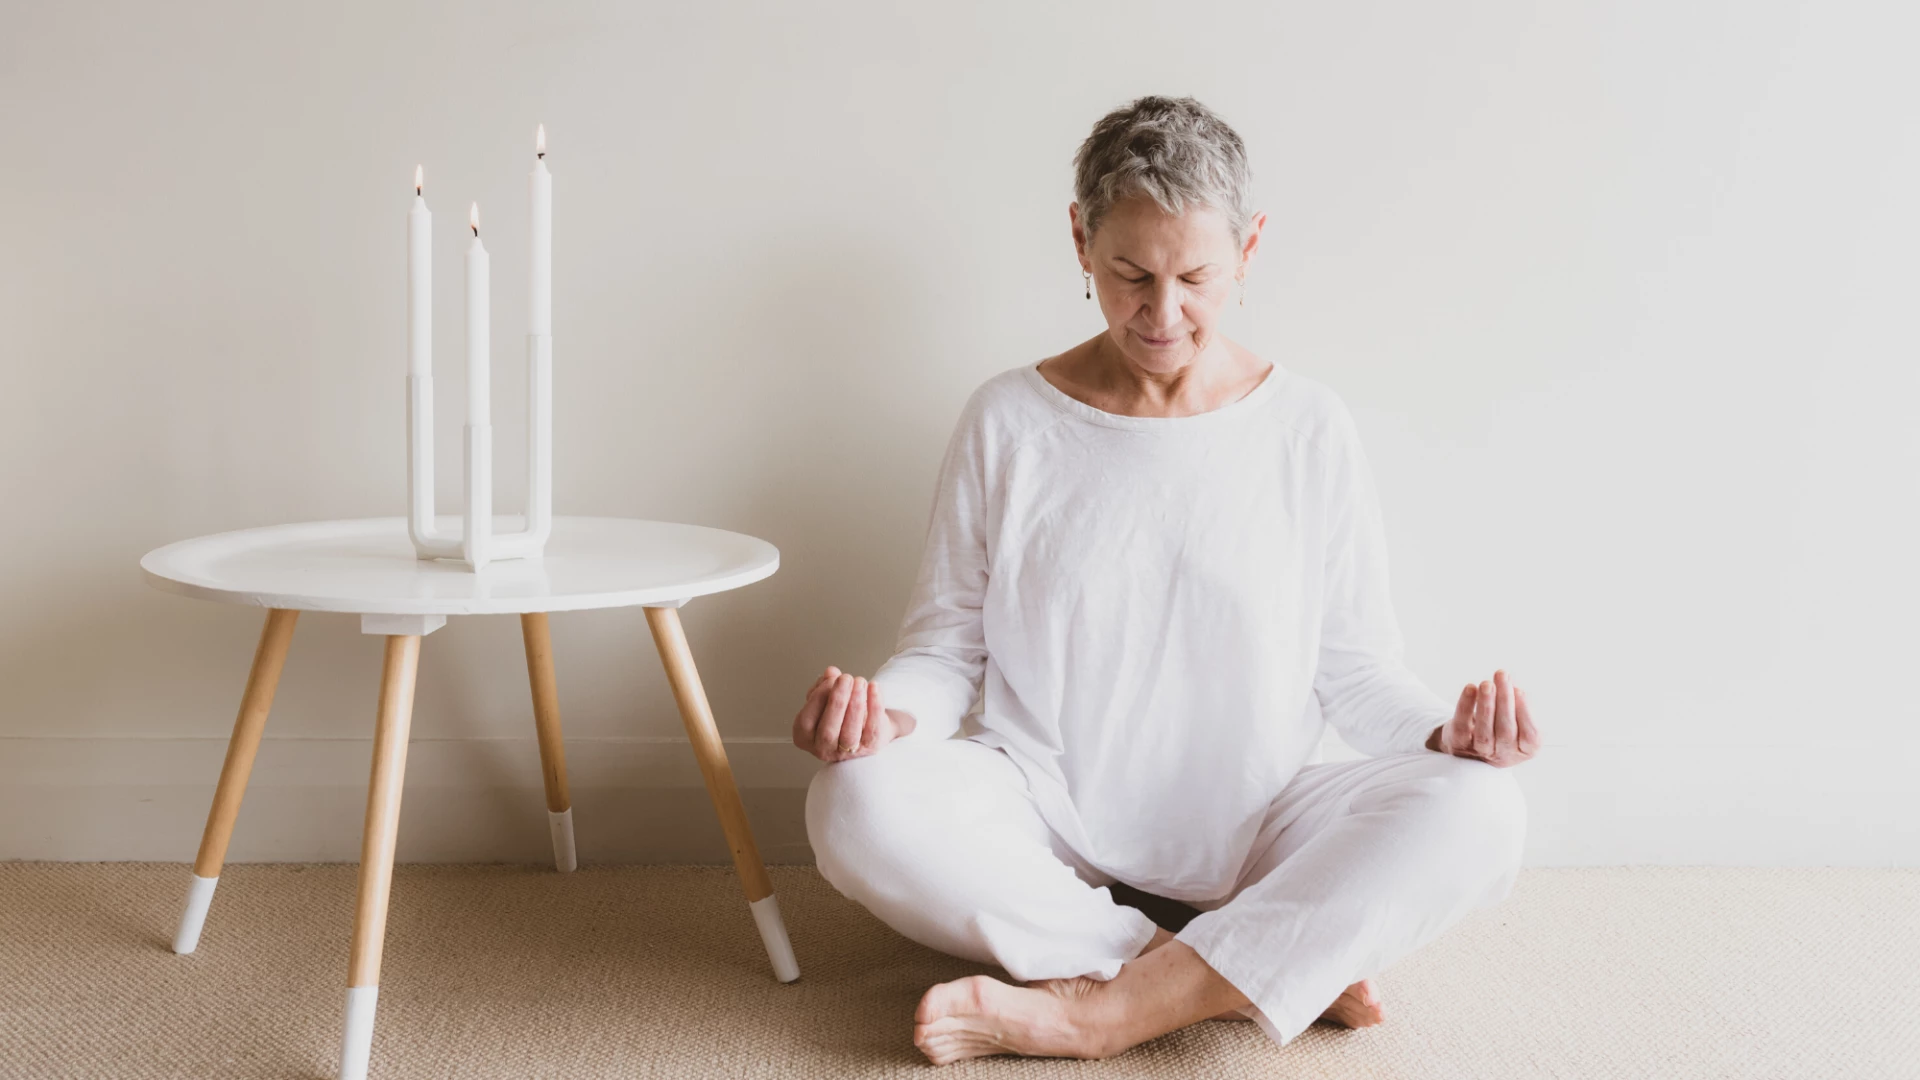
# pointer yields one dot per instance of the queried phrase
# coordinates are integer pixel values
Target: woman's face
(1162, 279)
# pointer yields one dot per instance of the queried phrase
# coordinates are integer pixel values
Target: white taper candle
(419, 280)
(479, 343)
(540, 275)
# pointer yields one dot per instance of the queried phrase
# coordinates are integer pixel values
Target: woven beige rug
(656, 971)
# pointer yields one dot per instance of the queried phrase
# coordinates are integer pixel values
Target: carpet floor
(657, 971)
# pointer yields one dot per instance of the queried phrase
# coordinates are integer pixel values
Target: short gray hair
(1175, 151)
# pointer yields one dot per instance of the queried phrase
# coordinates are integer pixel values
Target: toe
(947, 999)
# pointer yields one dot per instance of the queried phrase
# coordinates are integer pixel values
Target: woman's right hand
(843, 718)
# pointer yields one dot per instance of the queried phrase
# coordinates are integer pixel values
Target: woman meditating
(1158, 564)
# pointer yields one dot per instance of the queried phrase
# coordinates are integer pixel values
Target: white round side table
(368, 568)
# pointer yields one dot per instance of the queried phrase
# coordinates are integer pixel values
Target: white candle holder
(477, 544)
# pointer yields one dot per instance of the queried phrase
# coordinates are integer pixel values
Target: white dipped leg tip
(356, 1042)
(560, 822)
(199, 897)
(773, 933)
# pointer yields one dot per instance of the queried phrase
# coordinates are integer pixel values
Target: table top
(368, 567)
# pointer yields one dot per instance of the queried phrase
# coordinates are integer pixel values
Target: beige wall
(1621, 293)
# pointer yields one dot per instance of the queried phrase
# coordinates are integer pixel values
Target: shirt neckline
(1073, 406)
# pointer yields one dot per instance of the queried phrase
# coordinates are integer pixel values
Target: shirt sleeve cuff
(932, 707)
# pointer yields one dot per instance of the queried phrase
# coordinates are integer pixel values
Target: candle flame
(419, 178)
(473, 218)
(540, 141)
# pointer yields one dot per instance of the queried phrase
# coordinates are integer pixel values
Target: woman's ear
(1079, 235)
(1252, 245)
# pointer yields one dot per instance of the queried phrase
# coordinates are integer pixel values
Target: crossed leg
(1356, 864)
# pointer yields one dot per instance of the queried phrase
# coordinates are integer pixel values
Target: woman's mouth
(1155, 342)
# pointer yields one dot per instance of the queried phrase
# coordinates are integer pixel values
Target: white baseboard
(643, 800)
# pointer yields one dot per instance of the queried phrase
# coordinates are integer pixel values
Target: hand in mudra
(1491, 723)
(844, 718)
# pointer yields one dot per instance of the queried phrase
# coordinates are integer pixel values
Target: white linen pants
(1356, 864)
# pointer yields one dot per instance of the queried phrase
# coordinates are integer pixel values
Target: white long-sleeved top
(1156, 615)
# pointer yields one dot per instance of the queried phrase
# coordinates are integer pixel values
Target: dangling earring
(1089, 276)
(1243, 290)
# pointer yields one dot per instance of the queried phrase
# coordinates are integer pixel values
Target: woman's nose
(1163, 308)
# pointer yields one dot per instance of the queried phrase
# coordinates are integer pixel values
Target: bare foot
(980, 1015)
(1358, 1006)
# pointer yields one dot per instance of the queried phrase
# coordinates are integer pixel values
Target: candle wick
(541, 154)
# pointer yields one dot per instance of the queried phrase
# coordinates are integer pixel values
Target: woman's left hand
(1491, 723)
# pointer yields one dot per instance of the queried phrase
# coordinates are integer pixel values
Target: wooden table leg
(268, 659)
(546, 724)
(698, 718)
(376, 849)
